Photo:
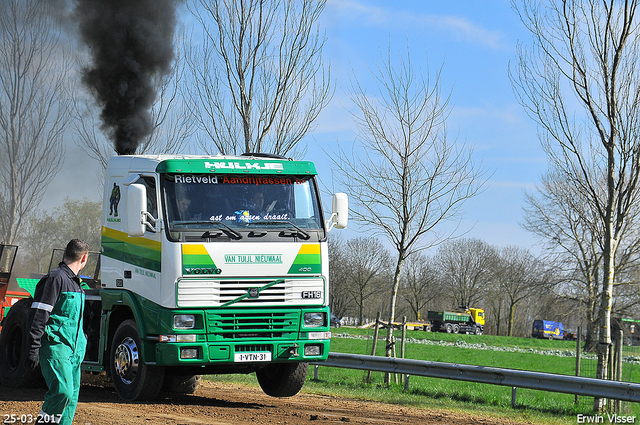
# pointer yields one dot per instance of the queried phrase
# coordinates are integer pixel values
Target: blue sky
(474, 42)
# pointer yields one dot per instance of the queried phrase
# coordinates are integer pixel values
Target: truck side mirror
(339, 211)
(136, 207)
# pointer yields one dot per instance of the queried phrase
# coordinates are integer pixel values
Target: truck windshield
(196, 202)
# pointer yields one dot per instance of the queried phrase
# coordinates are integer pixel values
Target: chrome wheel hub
(126, 360)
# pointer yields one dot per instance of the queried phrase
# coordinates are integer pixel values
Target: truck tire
(478, 330)
(449, 328)
(456, 328)
(282, 379)
(14, 371)
(132, 378)
(181, 384)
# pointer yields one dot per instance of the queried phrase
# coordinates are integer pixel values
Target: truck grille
(242, 293)
(255, 325)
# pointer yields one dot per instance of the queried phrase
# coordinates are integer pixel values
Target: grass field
(481, 399)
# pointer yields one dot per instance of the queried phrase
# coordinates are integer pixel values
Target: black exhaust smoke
(131, 46)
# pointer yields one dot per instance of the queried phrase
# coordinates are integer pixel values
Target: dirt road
(226, 404)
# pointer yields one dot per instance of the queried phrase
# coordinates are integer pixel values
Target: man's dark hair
(75, 249)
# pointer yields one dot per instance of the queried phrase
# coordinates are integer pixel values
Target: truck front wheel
(282, 379)
(132, 378)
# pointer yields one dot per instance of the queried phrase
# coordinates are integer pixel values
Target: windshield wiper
(220, 226)
(301, 232)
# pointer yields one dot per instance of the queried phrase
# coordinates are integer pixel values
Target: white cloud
(455, 26)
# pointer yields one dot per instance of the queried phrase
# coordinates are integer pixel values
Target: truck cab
(477, 314)
(212, 265)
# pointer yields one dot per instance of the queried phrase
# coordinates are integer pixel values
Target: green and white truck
(209, 265)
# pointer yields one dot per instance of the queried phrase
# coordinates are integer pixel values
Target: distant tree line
(513, 286)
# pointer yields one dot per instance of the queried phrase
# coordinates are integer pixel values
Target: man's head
(76, 253)
(258, 199)
(183, 203)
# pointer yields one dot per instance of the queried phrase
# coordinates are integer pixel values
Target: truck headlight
(313, 350)
(319, 335)
(184, 321)
(314, 320)
(178, 338)
(189, 353)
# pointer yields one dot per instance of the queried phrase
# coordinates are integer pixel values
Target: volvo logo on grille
(253, 292)
(202, 270)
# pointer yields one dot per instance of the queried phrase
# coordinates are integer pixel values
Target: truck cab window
(195, 202)
(152, 199)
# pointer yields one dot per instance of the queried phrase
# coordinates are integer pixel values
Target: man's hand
(32, 359)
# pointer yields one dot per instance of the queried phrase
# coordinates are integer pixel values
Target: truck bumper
(246, 352)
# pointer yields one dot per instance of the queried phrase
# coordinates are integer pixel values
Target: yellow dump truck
(469, 321)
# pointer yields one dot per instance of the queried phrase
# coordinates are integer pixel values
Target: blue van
(547, 329)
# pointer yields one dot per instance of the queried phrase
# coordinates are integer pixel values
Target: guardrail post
(406, 382)
(617, 404)
(513, 396)
(315, 372)
(578, 354)
(367, 378)
(403, 337)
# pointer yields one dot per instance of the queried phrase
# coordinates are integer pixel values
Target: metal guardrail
(591, 387)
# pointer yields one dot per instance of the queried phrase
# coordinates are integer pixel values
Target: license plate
(253, 357)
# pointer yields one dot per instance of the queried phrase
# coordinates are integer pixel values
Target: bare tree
(585, 54)
(46, 231)
(465, 269)
(573, 238)
(406, 177)
(420, 283)
(366, 261)
(338, 280)
(517, 274)
(495, 310)
(33, 109)
(256, 74)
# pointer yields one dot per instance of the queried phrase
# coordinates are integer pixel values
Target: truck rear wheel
(132, 378)
(282, 379)
(449, 328)
(14, 371)
(456, 328)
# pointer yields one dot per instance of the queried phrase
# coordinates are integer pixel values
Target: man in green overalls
(57, 340)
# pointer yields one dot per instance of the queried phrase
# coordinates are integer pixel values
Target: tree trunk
(512, 311)
(604, 344)
(361, 315)
(392, 307)
(593, 323)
